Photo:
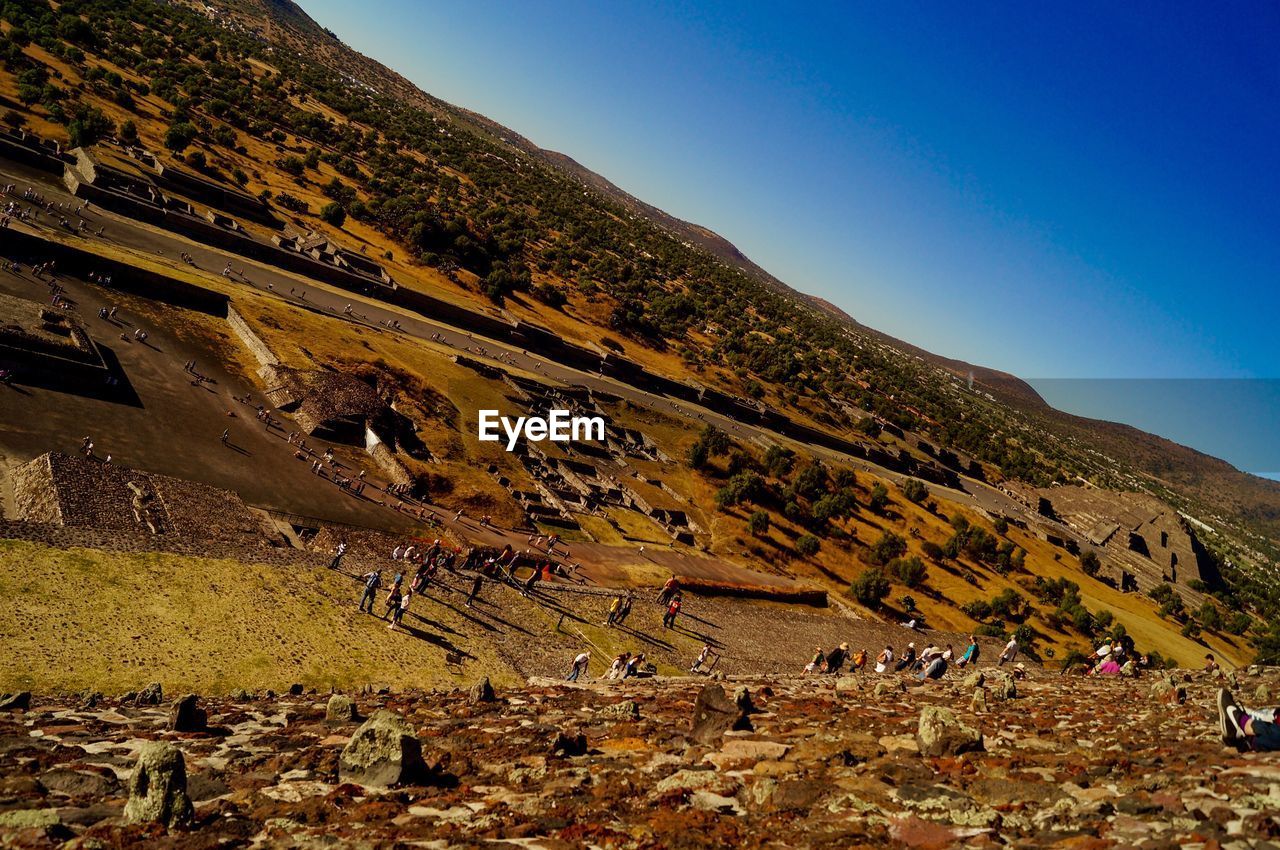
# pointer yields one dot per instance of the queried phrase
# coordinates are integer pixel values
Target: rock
(241, 695)
(886, 688)
(295, 690)
(742, 699)
(627, 711)
(974, 680)
(712, 781)
(20, 701)
(1262, 695)
(741, 749)
(979, 699)
(152, 694)
(941, 734)
(187, 716)
(1002, 687)
(341, 709)
(714, 714)
(29, 819)
(89, 700)
(848, 684)
(158, 787)
(482, 691)
(569, 744)
(383, 752)
(75, 783)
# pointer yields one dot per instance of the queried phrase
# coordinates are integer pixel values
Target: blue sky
(1086, 191)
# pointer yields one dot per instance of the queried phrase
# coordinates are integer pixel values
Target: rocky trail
(869, 761)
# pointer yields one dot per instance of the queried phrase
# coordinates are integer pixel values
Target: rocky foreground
(1052, 762)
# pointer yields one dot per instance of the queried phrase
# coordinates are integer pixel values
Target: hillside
(255, 96)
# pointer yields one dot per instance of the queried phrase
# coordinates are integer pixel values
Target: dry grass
(76, 619)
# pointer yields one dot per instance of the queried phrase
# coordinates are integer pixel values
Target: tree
(888, 547)
(334, 214)
(87, 125)
(758, 524)
(698, 455)
(910, 570)
(870, 587)
(1089, 563)
(879, 498)
(129, 132)
(913, 490)
(179, 136)
(808, 545)
(1210, 617)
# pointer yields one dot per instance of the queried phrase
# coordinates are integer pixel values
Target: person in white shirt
(579, 666)
(1010, 652)
(884, 659)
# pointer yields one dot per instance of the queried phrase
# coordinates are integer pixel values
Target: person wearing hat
(836, 657)
(908, 658)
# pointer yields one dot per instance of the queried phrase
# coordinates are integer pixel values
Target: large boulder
(940, 733)
(714, 714)
(1002, 686)
(340, 710)
(570, 743)
(384, 751)
(187, 715)
(158, 787)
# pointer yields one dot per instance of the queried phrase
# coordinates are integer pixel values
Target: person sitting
(936, 669)
(1247, 728)
(1210, 663)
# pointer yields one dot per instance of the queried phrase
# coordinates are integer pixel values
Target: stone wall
(34, 495)
(251, 340)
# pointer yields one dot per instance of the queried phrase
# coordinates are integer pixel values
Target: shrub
(879, 498)
(932, 550)
(334, 214)
(991, 630)
(758, 524)
(808, 545)
(870, 587)
(1089, 563)
(914, 490)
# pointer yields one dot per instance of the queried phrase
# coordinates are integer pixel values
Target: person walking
(337, 555)
(614, 608)
(476, 584)
(372, 581)
(398, 614)
(1010, 652)
(673, 610)
(226, 435)
(579, 666)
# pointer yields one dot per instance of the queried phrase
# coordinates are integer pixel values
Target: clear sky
(1082, 191)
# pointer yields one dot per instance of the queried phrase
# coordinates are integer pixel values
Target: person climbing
(1009, 653)
(816, 663)
(1247, 728)
(668, 590)
(970, 653)
(836, 658)
(908, 658)
(393, 600)
(937, 667)
(859, 661)
(579, 666)
(476, 584)
(337, 555)
(372, 581)
(1210, 663)
(625, 610)
(673, 610)
(884, 659)
(614, 607)
(632, 666)
(619, 665)
(702, 659)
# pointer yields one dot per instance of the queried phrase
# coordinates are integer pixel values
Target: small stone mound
(158, 787)
(714, 714)
(383, 752)
(152, 694)
(940, 733)
(340, 710)
(482, 692)
(20, 701)
(628, 711)
(187, 715)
